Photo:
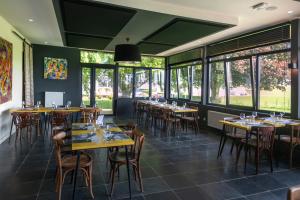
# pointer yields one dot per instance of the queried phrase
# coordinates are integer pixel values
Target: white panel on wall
(56, 97)
(5, 116)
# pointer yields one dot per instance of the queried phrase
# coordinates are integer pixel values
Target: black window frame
(189, 64)
(254, 76)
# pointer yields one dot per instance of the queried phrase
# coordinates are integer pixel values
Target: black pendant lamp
(127, 53)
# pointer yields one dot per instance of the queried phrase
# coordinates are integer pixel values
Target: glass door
(104, 89)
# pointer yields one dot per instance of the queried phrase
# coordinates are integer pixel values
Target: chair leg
(232, 145)
(246, 156)
(224, 141)
(140, 178)
(91, 181)
(256, 160)
(220, 144)
(238, 153)
(271, 160)
(291, 156)
(17, 134)
(114, 166)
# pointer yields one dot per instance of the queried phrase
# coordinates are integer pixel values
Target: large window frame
(189, 65)
(255, 71)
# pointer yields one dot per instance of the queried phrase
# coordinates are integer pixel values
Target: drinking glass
(53, 105)
(242, 116)
(281, 115)
(254, 115)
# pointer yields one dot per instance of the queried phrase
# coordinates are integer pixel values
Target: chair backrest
(138, 138)
(59, 118)
(295, 133)
(265, 137)
(21, 119)
(294, 193)
(89, 114)
(58, 140)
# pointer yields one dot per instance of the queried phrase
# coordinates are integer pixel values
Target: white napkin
(99, 120)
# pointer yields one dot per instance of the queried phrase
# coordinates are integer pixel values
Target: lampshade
(127, 53)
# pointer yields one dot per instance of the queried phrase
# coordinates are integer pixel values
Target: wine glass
(281, 115)
(23, 104)
(254, 115)
(53, 105)
(242, 116)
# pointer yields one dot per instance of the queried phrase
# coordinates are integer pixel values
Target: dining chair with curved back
(118, 158)
(59, 121)
(66, 163)
(293, 140)
(191, 118)
(90, 114)
(262, 142)
(21, 121)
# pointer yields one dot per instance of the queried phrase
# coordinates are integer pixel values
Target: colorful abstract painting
(5, 71)
(55, 68)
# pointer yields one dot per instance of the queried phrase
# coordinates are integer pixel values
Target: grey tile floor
(183, 166)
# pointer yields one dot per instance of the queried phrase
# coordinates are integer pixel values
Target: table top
(101, 141)
(48, 110)
(245, 125)
(177, 109)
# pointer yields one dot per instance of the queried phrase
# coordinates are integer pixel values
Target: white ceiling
(238, 12)
(43, 29)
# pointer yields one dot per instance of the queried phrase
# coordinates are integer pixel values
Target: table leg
(11, 126)
(75, 174)
(128, 173)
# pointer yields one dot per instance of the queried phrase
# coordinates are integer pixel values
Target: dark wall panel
(71, 86)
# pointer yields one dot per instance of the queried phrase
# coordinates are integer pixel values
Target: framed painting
(5, 71)
(55, 68)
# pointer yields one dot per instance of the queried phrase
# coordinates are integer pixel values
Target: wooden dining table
(249, 124)
(46, 110)
(175, 109)
(100, 142)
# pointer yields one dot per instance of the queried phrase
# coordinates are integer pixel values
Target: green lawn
(101, 103)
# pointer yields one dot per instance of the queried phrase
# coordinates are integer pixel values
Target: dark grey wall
(71, 86)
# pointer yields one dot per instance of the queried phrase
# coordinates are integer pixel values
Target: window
(196, 82)
(239, 82)
(142, 83)
(86, 85)
(183, 82)
(99, 57)
(153, 62)
(275, 82)
(158, 83)
(125, 82)
(173, 83)
(104, 89)
(217, 92)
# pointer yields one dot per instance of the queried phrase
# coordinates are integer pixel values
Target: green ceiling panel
(93, 18)
(87, 41)
(150, 48)
(181, 31)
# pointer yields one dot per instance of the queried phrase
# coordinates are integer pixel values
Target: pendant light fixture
(127, 53)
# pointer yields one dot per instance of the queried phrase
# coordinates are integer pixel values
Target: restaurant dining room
(150, 99)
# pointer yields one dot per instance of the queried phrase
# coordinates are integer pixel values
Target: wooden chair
(66, 163)
(230, 132)
(36, 121)
(191, 118)
(89, 114)
(21, 121)
(118, 158)
(294, 193)
(169, 119)
(293, 140)
(59, 121)
(263, 142)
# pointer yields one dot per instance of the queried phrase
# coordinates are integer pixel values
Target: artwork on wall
(5, 71)
(55, 68)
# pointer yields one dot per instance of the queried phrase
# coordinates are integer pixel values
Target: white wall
(5, 118)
